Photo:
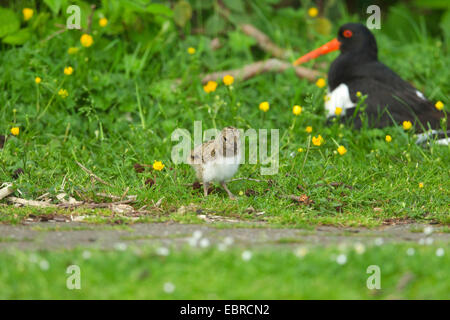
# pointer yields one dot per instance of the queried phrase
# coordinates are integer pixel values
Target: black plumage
(389, 97)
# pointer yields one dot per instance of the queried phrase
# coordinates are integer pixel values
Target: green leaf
(156, 8)
(445, 25)
(131, 6)
(9, 22)
(182, 13)
(40, 20)
(239, 41)
(432, 4)
(235, 5)
(202, 4)
(215, 24)
(54, 5)
(18, 38)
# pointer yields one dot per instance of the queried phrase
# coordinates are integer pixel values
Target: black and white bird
(357, 69)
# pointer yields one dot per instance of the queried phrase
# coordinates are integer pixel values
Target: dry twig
(91, 174)
(31, 203)
(264, 41)
(6, 190)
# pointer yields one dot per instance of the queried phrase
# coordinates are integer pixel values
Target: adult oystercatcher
(357, 69)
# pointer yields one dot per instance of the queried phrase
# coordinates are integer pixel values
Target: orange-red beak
(333, 45)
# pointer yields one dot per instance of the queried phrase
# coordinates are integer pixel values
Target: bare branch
(54, 34)
(264, 41)
(253, 69)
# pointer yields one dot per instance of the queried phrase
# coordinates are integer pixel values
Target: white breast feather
(221, 169)
(420, 95)
(339, 97)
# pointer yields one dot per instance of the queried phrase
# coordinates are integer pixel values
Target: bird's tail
(438, 136)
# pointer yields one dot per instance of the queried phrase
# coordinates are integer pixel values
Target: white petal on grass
(410, 251)
(169, 287)
(86, 254)
(341, 259)
(379, 241)
(193, 242)
(246, 255)
(440, 252)
(301, 252)
(429, 241)
(359, 248)
(120, 246)
(228, 241)
(44, 265)
(428, 230)
(162, 251)
(197, 234)
(204, 243)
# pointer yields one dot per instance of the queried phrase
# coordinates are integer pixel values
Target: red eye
(347, 33)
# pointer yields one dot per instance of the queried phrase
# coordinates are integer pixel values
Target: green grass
(137, 83)
(124, 104)
(213, 274)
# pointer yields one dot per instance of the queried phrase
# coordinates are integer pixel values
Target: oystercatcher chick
(357, 69)
(217, 159)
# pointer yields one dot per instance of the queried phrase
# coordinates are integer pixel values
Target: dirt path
(55, 235)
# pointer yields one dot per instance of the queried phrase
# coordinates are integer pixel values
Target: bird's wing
(387, 93)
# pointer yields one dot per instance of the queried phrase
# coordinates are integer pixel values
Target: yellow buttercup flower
(210, 86)
(27, 14)
(313, 12)
(191, 50)
(86, 40)
(15, 131)
(407, 125)
(358, 94)
(158, 165)
(37, 80)
(421, 185)
(68, 71)
(308, 129)
(321, 82)
(300, 149)
(228, 80)
(317, 141)
(297, 110)
(103, 22)
(439, 105)
(63, 93)
(72, 50)
(264, 106)
(388, 138)
(338, 111)
(342, 150)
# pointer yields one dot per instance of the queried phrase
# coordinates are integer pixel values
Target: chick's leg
(224, 185)
(205, 188)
